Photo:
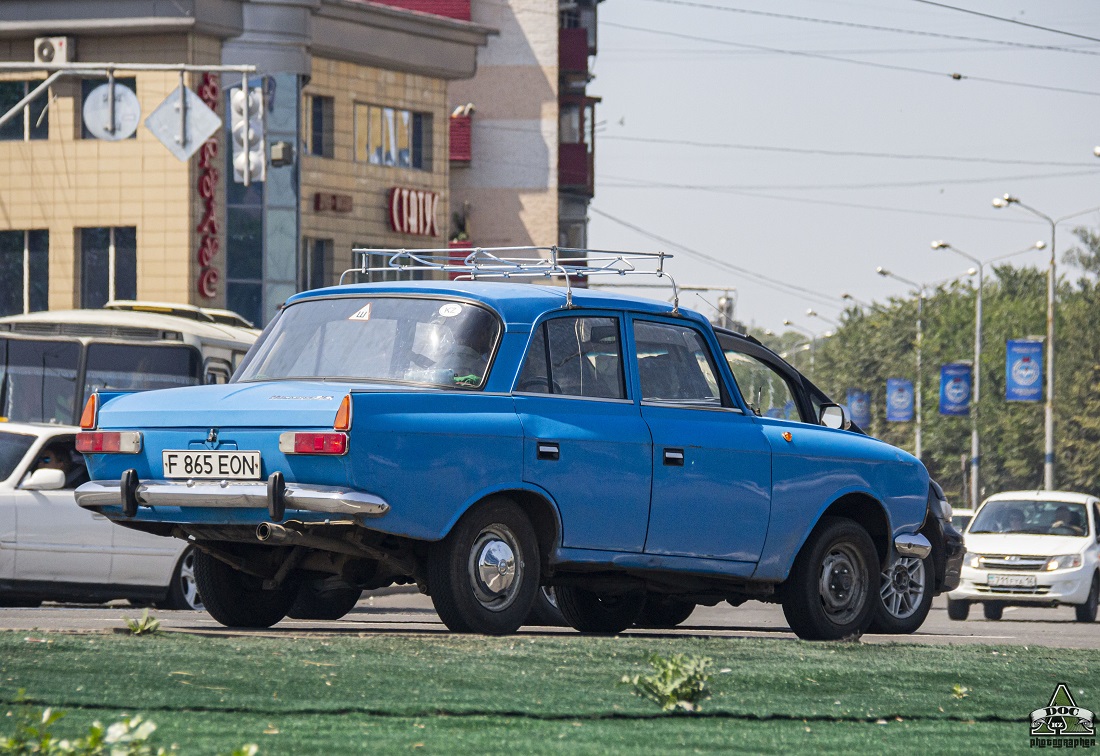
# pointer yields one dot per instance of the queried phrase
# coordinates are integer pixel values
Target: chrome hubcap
(494, 570)
(188, 587)
(903, 587)
(842, 587)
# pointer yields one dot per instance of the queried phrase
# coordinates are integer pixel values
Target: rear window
(13, 446)
(138, 368)
(415, 340)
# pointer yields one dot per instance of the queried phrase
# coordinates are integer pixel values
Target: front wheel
(236, 599)
(905, 596)
(958, 610)
(183, 593)
(830, 592)
(993, 610)
(484, 575)
(1086, 612)
(590, 612)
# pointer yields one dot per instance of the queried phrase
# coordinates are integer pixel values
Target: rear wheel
(993, 610)
(238, 600)
(1086, 612)
(327, 598)
(831, 589)
(484, 575)
(905, 597)
(664, 612)
(545, 610)
(183, 593)
(958, 610)
(591, 612)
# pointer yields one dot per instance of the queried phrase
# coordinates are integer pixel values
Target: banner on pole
(1024, 370)
(955, 387)
(859, 407)
(899, 400)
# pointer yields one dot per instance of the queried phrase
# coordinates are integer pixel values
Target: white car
(1031, 548)
(52, 550)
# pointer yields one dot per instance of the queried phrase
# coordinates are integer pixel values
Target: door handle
(548, 450)
(674, 457)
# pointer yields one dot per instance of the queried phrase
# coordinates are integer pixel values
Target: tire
(1086, 612)
(905, 596)
(238, 600)
(484, 575)
(958, 610)
(328, 598)
(833, 585)
(545, 610)
(183, 593)
(664, 612)
(993, 610)
(589, 612)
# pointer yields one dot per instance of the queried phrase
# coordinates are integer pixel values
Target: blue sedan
(484, 440)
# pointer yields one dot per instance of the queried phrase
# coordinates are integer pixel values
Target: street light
(920, 337)
(813, 340)
(858, 302)
(811, 312)
(1048, 424)
(940, 244)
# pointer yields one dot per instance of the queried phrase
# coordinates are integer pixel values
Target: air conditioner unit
(54, 51)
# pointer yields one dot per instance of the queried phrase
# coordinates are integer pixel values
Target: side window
(674, 365)
(1096, 520)
(575, 357)
(764, 389)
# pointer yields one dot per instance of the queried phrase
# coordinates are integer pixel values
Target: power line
(834, 187)
(778, 285)
(1007, 20)
(852, 61)
(870, 27)
(835, 153)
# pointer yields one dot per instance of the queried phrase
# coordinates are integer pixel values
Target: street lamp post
(812, 313)
(920, 338)
(858, 302)
(974, 405)
(813, 340)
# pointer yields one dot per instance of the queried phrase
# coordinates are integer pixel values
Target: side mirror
(45, 479)
(835, 416)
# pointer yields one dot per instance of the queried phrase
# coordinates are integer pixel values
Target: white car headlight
(1064, 562)
(973, 560)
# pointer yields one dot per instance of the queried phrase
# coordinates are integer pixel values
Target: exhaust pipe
(270, 532)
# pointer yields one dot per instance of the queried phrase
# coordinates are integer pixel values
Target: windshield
(406, 339)
(12, 448)
(132, 367)
(1031, 518)
(38, 380)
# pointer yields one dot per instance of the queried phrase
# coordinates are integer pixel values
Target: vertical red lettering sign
(207, 282)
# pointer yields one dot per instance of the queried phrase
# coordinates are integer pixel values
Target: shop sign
(209, 244)
(412, 211)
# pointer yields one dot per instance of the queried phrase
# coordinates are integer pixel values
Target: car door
(711, 463)
(584, 440)
(139, 558)
(57, 541)
(16, 454)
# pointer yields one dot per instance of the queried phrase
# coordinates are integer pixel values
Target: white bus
(51, 361)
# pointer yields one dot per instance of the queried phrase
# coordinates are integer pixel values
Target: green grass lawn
(538, 694)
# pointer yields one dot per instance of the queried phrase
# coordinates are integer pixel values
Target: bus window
(137, 367)
(39, 380)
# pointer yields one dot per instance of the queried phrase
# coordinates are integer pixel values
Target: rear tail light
(88, 418)
(97, 442)
(331, 442)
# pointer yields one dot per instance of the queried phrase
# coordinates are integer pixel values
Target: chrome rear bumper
(233, 494)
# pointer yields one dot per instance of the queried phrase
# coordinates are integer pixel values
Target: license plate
(1011, 581)
(211, 465)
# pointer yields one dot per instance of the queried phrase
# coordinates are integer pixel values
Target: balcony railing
(461, 139)
(573, 52)
(457, 9)
(575, 169)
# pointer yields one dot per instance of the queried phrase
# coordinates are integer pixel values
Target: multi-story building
(357, 133)
(522, 129)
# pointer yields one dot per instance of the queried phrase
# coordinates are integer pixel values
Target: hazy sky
(774, 202)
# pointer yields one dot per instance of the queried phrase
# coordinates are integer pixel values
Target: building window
(108, 265)
(25, 271)
(314, 263)
(33, 122)
(381, 260)
(390, 136)
(318, 126)
(87, 86)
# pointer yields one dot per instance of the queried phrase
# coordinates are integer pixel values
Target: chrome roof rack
(538, 262)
